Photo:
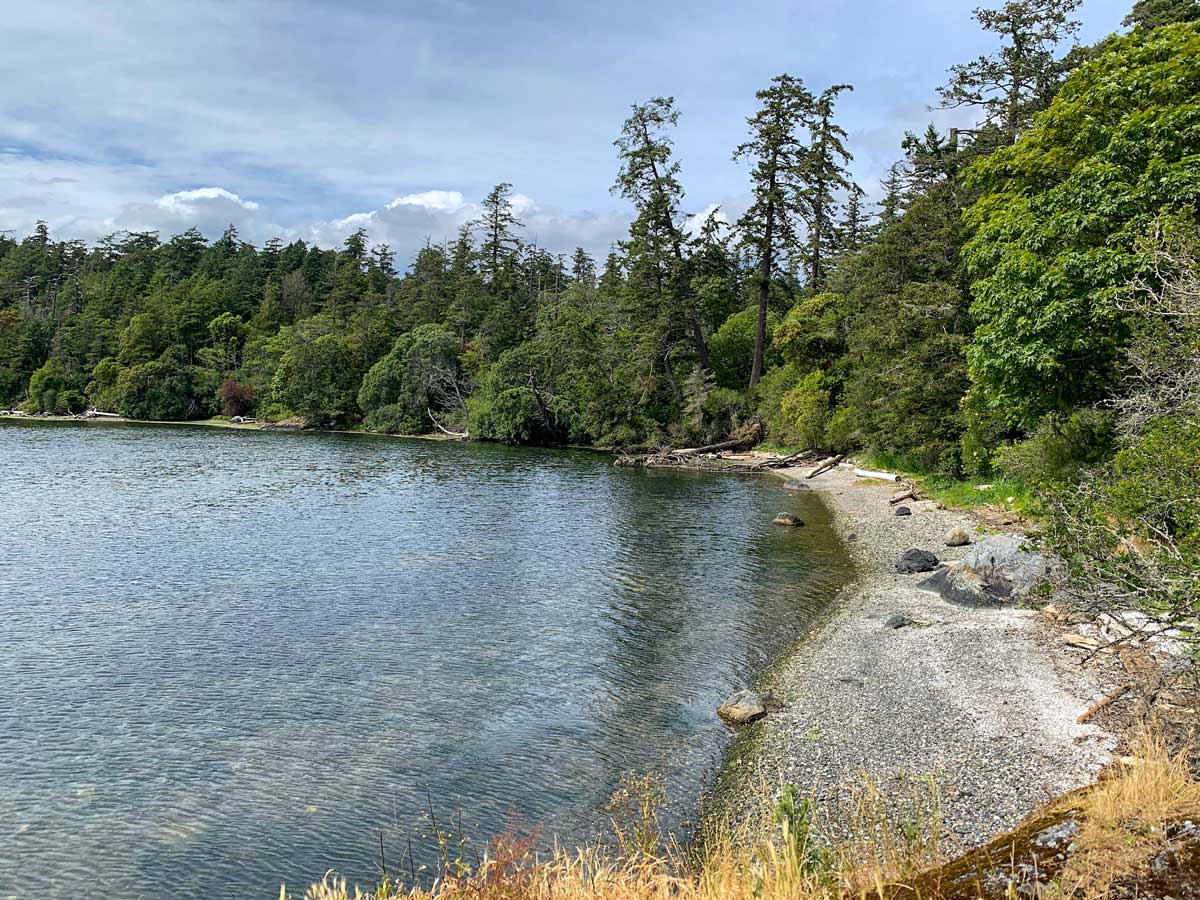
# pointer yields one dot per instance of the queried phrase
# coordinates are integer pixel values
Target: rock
(957, 537)
(237, 420)
(790, 520)
(914, 561)
(996, 570)
(898, 621)
(852, 537)
(1051, 613)
(796, 487)
(743, 708)
(903, 511)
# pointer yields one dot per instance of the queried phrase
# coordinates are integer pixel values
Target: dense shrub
(400, 390)
(237, 399)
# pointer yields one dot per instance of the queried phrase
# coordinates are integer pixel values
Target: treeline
(977, 308)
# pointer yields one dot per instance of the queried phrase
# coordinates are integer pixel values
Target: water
(232, 658)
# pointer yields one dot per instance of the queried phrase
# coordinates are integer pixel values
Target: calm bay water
(232, 658)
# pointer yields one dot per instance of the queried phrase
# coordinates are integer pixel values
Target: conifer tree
(649, 178)
(1022, 76)
(778, 153)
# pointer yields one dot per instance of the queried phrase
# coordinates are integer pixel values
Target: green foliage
(46, 388)
(165, 388)
(1061, 210)
(732, 347)
(1156, 13)
(316, 379)
(1059, 449)
(399, 391)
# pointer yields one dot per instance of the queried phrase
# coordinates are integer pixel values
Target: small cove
(233, 658)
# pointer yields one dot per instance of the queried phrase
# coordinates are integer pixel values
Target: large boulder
(745, 707)
(999, 569)
(914, 561)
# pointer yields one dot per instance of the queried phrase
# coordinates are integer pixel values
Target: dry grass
(1127, 818)
(1124, 824)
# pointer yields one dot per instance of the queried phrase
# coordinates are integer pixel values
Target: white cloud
(447, 201)
(183, 203)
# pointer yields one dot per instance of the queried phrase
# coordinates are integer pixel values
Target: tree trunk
(764, 285)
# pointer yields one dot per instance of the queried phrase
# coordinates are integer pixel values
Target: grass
(888, 849)
(959, 493)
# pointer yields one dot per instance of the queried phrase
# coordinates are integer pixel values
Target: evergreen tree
(824, 175)
(1156, 13)
(649, 178)
(778, 154)
(1022, 76)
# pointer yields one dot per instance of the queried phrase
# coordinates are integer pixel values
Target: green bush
(397, 394)
(1059, 449)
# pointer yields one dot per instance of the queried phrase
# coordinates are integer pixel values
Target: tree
(649, 178)
(1155, 13)
(497, 223)
(401, 392)
(823, 173)
(778, 154)
(1061, 211)
(1021, 77)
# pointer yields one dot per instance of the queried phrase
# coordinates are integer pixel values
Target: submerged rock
(745, 707)
(903, 511)
(796, 487)
(914, 561)
(790, 520)
(957, 537)
(995, 571)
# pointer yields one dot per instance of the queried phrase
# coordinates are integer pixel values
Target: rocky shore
(900, 684)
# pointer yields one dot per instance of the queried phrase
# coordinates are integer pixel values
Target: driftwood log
(826, 465)
(744, 439)
(880, 476)
(910, 492)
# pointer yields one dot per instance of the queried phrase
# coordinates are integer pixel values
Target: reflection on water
(232, 658)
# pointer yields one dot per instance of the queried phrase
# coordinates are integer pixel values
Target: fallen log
(1103, 703)
(826, 465)
(784, 461)
(461, 435)
(880, 476)
(909, 493)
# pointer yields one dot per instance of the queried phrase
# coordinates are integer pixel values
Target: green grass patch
(959, 493)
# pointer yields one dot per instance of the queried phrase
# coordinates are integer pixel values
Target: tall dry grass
(1125, 822)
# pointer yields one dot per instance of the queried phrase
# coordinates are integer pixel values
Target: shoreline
(982, 702)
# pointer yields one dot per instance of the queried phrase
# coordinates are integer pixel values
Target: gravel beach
(983, 700)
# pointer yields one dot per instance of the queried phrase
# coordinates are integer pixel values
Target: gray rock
(957, 537)
(790, 520)
(914, 561)
(903, 511)
(852, 537)
(796, 487)
(898, 621)
(743, 708)
(994, 571)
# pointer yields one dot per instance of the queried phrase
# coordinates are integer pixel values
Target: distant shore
(214, 423)
(984, 701)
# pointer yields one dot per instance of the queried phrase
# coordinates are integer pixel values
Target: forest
(1022, 303)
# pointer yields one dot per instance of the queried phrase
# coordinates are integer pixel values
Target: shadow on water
(233, 658)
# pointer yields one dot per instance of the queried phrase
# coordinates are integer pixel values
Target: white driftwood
(881, 476)
(461, 435)
(826, 465)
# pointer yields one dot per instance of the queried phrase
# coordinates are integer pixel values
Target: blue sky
(308, 119)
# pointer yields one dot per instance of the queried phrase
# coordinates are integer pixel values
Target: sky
(309, 119)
